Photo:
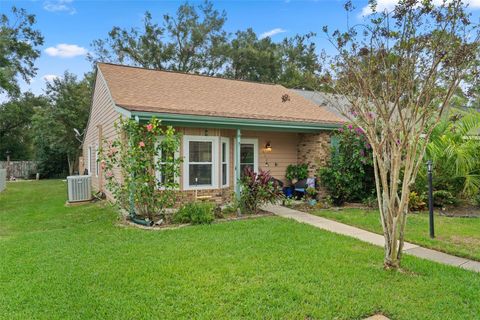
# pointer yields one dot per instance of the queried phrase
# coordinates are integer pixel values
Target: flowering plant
(349, 174)
(147, 164)
(258, 189)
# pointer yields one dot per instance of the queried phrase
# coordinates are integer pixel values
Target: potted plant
(296, 172)
(291, 173)
(311, 194)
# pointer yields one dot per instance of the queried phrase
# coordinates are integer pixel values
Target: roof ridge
(190, 74)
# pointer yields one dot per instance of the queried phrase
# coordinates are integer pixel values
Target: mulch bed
(125, 222)
(460, 212)
(305, 207)
(455, 212)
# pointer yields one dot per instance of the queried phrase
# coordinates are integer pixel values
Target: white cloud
(389, 5)
(59, 6)
(64, 50)
(272, 32)
(50, 77)
(382, 5)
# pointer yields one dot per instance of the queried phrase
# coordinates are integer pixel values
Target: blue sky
(69, 26)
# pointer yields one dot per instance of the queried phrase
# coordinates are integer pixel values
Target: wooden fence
(3, 179)
(19, 169)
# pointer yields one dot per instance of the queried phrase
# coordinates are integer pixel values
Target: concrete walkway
(370, 237)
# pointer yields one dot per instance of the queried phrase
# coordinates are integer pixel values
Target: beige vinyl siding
(104, 115)
(284, 151)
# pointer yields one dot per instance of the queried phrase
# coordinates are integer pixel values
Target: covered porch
(216, 150)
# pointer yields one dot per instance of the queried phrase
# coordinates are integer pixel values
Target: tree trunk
(393, 209)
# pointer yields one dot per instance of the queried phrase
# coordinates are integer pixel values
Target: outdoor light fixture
(268, 146)
(429, 166)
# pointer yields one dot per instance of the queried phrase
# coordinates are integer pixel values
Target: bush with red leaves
(258, 189)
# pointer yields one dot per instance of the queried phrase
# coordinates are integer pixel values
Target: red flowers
(141, 144)
(149, 127)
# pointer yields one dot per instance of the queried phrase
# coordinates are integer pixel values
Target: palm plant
(454, 149)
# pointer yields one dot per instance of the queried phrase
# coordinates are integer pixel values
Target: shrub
(287, 201)
(417, 202)
(370, 201)
(476, 200)
(195, 213)
(349, 174)
(258, 189)
(327, 202)
(456, 160)
(295, 171)
(231, 208)
(218, 213)
(442, 198)
(311, 192)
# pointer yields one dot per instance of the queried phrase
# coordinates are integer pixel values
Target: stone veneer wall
(314, 150)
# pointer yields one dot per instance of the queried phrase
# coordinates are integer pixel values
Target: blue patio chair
(301, 186)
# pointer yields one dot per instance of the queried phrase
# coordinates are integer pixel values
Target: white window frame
(89, 160)
(225, 141)
(186, 164)
(158, 174)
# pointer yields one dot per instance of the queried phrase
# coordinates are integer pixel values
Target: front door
(248, 154)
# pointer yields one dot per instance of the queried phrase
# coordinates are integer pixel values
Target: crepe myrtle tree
(398, 72)
(147, 164)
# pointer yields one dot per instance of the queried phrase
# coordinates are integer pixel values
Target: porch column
(237, 164)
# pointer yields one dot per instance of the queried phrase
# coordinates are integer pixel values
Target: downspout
(237, 164)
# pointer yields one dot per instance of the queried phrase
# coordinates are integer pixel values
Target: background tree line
(41, 127)
(195, 40)
(38, 127)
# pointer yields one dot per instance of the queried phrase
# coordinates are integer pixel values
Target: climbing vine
(144, 155)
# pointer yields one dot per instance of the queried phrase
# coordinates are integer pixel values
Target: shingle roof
(138, 89)
(324, 100)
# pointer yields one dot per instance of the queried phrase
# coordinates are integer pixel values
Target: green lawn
(457, 236)
(60, 262)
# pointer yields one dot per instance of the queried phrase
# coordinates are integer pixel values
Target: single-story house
(225, 125)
